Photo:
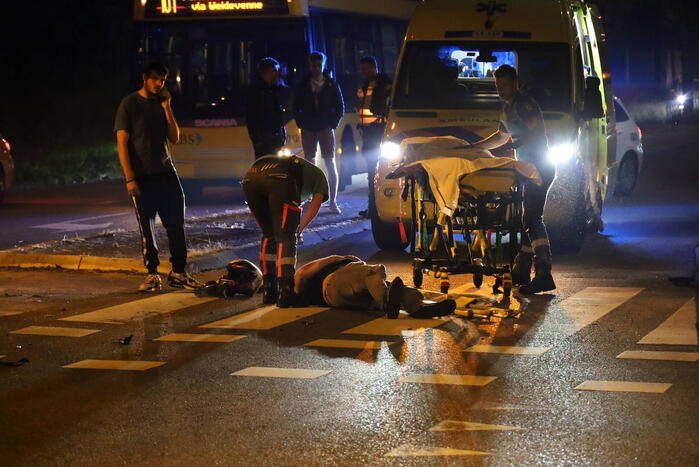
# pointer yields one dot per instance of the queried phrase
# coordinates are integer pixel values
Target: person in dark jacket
(266, 108)
(318, 109)
(373, 110)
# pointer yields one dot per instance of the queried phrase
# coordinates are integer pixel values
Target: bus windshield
(449, 75)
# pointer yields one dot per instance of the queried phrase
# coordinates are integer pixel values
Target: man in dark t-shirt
(522, 122)
(145, 126)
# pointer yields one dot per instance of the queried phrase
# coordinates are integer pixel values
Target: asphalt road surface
(603, 372)
(45, 214)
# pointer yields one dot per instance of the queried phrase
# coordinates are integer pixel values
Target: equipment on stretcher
(466, 210)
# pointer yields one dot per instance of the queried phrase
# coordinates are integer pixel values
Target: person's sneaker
(153, 283)
(433, 310)
(542, 282)
(364, 214)
(182, 280)
(393, 298)
(334, 209)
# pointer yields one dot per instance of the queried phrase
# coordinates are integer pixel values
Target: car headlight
(390, 150)
(561, 153)
(681, 98)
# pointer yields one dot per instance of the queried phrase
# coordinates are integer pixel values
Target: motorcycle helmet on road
(242, 277)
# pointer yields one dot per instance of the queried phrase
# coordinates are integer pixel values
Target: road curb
(133, 265)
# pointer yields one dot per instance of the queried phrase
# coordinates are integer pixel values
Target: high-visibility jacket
(373, 100)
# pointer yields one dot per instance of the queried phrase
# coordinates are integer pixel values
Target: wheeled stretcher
(466, 212)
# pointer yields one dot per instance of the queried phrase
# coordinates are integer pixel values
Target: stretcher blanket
(447, 159)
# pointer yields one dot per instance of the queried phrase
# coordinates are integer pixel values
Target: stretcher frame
(480, 216)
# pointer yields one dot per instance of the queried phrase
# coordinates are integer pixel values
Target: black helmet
(246, 276)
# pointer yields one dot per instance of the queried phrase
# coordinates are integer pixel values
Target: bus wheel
(387, 235)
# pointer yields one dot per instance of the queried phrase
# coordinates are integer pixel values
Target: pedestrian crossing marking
(506, 349)
(395, 327)
(592, 303)
(127, 365)
(265, 318)
(54, 331)
(408, 450)
(623, 386)
(455, 425)
(438, 378)
(679, 329)
(215, 338)
(292, 373)
(157, 304)
(10, 313)
(349, 344)
(652, 355)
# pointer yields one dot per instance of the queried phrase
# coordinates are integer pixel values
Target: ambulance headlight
(390, 150)
(681, 99)
(284, 152)
(561, 153)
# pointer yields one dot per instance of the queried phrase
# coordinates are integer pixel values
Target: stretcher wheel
(478, 280)
(444, 288)
(417, 277)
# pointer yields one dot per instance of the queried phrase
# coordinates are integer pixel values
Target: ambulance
(444, 87)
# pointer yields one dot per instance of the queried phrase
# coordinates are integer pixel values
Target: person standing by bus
(144, 125)
(274, 188)
(318, 108)
(266, 108)
(373, 110)
(523, 122)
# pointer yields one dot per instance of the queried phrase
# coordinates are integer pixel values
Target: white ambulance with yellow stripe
(444, 86)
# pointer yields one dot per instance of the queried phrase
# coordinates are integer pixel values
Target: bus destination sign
(199, 8)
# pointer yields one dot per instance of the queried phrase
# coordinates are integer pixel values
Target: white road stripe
(455, 425)
(395, 327)
(408, 450)
(510, 350)
(349, 344)
(213, 338)
(264, 318)
(54, 331)
(623, 386)
(580, 310)
(293, 373)
(679, 329)
(438, 378)
(157, 304)
(652, 355)
(125, 365)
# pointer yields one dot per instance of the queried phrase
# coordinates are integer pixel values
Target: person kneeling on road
(274, 188)
(349, 282)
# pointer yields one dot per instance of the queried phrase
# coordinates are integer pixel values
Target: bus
(212, 47)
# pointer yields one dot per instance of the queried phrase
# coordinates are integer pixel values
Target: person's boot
(269, 290)
(286, 292)
(393, 298)
(522, 270)
(433, 310)
(542, 282)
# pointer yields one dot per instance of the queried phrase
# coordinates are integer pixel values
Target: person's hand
(132, 188)
(167, 97)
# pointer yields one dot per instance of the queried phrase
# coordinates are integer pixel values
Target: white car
(629, 152)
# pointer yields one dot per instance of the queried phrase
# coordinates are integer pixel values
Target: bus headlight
(561, 153)
(390, 150)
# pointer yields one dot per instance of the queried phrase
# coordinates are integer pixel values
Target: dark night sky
(65, 66)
